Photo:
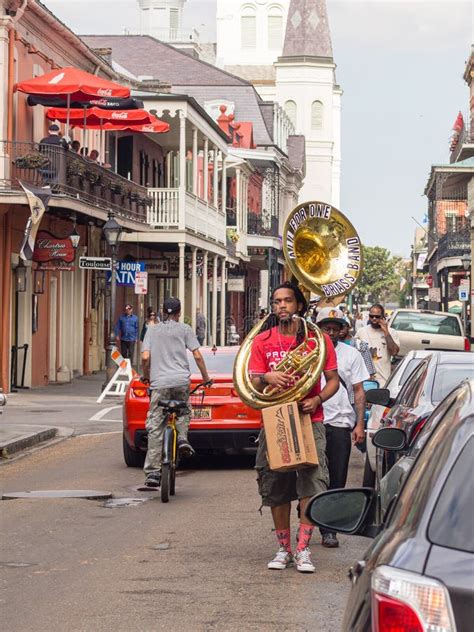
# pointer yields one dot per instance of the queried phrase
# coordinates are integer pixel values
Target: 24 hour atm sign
(126, 272)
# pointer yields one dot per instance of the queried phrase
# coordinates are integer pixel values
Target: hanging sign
(141, 282)
(126, 271)
(49, 248)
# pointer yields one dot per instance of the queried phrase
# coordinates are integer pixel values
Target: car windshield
(219, 362)
(447, 377)
(423, 323)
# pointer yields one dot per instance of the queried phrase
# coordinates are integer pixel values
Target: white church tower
(306, 87)
(162, 19)
(283, 47)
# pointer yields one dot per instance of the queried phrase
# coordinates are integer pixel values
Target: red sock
(283, 537)
(305, 531)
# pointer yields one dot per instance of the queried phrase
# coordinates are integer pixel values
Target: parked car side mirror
(393, 439)
(343, 510)
(380, 396)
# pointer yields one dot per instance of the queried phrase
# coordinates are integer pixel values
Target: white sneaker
(282, 559)
(303, 561)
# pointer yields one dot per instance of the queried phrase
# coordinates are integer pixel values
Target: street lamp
(112, 233)
(466, 261)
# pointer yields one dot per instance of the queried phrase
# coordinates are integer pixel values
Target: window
(448, 376)
(290, 109)
(451, 522)
(423, 323)
(248, 27)
(317, 115)
(411, 391)
(275, 28)
(174, 24)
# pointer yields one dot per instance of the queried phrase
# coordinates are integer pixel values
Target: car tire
(132, 458)
(369, 474)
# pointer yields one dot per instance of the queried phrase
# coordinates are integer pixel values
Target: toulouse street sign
(95, 263)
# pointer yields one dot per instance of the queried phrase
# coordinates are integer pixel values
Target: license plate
(203, 412)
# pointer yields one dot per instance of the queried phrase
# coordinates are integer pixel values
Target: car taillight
(407, 602)
(467, 344)
(139, 391)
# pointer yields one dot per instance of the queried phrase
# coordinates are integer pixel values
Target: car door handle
(356, 570)
(425, 342)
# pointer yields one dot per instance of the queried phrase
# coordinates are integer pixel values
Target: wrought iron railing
(260, 225)
(454, 244)
(71, 175)
(466, 136)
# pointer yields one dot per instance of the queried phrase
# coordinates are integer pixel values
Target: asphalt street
(197, 563)
(73, 406)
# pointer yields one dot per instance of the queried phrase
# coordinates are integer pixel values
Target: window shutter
(316, 115)
(275, 31)
(249, 31)
(290, 109)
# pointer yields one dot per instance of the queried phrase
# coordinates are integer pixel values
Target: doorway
(125, 157)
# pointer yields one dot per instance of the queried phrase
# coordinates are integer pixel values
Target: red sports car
(220, 422)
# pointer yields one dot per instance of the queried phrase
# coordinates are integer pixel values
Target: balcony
(174, 209)
(454, 244)
(464, 146)
(263, 226)
(70, 175)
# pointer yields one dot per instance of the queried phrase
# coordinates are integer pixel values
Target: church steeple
(307, 30)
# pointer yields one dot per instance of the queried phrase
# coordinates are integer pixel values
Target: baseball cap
(330, 314)
(53, 128)
(171, 305)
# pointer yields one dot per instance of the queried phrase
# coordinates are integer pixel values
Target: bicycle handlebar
(208, 383)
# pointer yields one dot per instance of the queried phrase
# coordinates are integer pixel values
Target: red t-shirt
(269, 347)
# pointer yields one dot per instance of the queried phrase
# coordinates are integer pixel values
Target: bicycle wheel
(165, 482)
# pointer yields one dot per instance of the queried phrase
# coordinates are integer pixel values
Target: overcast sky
(400, 64)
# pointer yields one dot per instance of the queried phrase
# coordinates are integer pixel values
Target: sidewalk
(15, 437)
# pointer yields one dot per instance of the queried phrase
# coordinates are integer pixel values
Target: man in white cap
(342, 421)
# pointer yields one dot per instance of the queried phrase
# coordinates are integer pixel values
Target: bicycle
(170, 453)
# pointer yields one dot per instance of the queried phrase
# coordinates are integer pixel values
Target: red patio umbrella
(97, 116)
(78, 84)
(74, 83)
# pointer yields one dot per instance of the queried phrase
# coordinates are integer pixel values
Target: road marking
(98, 416)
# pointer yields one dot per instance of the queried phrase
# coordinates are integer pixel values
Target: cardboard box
(289, 437)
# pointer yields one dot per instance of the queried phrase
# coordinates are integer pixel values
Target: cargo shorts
(279, 488)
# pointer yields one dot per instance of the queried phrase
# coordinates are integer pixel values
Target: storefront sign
(126, 271)
(51, 248)
(160, 267)
(141, 282)
(95, 263)
(236, 284)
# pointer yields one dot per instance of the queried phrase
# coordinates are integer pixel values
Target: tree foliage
(380, 277)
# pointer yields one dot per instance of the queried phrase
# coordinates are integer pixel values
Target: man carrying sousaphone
(282, 332)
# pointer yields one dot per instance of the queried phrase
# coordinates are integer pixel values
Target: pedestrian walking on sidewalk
(342, 421)
(126, 330)
(151, 320)
(166, 368)
(282, 333)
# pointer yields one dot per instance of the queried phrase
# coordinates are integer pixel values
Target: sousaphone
(323, 252)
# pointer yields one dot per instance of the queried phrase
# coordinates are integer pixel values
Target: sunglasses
(375, 316)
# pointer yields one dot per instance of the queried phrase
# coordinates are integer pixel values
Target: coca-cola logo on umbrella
(51, 248)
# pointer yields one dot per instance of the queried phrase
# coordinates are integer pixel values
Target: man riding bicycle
(166, 368)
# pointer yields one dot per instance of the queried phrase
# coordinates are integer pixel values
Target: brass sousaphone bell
(323, 251)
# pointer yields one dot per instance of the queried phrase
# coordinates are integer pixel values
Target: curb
(30, 444)
(27, 442)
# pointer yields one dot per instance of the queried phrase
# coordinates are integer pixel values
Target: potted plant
(32, 160)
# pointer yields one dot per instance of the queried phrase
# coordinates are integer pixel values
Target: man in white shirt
(383, 343)
(342, 421)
